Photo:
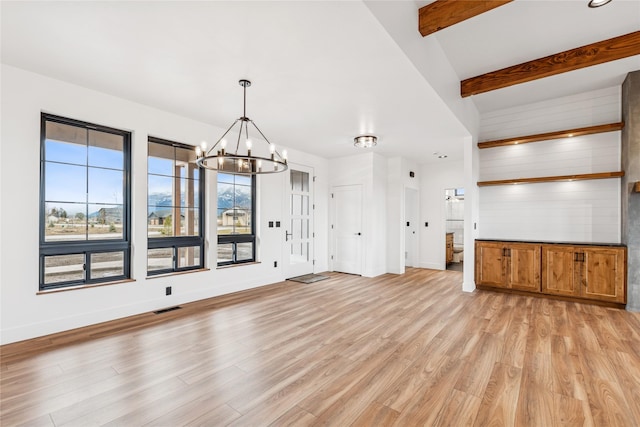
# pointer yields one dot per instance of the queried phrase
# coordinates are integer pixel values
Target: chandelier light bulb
(597, 3)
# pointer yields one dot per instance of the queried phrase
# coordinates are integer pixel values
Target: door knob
(358, 234)
(287, 235)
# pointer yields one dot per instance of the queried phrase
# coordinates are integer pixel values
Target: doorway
(346, 229)
(298, 250)
(411, 228)
(454, 232)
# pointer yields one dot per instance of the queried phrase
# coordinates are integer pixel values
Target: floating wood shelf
(600, 175)
(636, 187)
(611, 127)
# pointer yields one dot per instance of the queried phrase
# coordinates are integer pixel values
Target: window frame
(85, 247)
(234, 239)
(177, 242)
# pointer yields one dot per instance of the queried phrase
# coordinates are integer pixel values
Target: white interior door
(411, 228)
(298, 251)
(347, 229)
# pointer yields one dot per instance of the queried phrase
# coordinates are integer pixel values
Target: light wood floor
(395, 350)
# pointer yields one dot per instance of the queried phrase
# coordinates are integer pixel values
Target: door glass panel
(296, 228)
(299, 252)
(296, 180)
(296, 204)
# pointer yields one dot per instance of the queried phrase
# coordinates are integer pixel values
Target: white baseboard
(431, 265)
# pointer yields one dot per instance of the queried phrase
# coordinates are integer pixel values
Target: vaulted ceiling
(322, 72)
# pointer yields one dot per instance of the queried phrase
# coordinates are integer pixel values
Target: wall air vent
(166, 310)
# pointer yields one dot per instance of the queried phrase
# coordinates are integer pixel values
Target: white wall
(370, 171)
(400, 20)
(580, 211)
(24, 313)
(435, 178)
(569, 112)
(395, 215)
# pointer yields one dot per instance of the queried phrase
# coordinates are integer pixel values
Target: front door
(298, 251)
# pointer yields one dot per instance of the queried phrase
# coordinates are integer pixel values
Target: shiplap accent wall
(580, 211)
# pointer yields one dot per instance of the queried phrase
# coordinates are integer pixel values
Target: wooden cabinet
(604, 274)
(591, 272)
(449, 247)
(560, 272)
(508, 265)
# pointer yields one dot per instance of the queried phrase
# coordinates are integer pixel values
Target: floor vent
(165, 310)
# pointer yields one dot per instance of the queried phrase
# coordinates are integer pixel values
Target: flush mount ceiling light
(238, 163)
(365, 141)
(598, 3)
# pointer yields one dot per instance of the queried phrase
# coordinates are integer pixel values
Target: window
(175, 208)
(84, 203)
(236, 218)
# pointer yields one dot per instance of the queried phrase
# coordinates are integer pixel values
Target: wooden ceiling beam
(609, 127)
(569, 60)
(445, 13)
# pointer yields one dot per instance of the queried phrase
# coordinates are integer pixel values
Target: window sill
(222, 267)
(176, 273)
(92, 285)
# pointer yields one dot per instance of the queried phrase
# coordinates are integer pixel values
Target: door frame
(407, 217)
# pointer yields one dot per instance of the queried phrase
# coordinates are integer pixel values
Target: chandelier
(219, 158)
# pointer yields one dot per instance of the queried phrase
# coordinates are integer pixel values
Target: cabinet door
(561, 273)
(449, 247)
(605, 272)
(490, 269)
(523, 271)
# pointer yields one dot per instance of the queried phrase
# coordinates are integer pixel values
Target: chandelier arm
(265, 138)
(222, 137)
(239, 135)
